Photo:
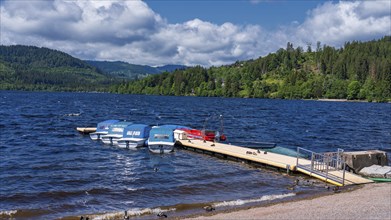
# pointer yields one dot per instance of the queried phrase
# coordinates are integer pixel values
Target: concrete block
(357, 160)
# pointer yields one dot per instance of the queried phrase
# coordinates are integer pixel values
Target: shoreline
(343, 100)
(304, 99)
(369, 201)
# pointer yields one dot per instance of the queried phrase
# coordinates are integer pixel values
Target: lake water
(49, 170)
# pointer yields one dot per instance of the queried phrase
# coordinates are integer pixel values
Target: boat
(85, 130)
(378, 179)
(161, 138)
(284, 151)
(269, 147)
(102, 129)
(256, 145)
(134, 136)
(206, 135)
(115, 132)
(212, 135)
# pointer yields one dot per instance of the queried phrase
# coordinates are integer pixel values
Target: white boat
(102, 129)
(161, 138)
(134, 136)
(115, 132)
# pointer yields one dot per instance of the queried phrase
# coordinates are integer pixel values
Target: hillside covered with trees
(34, 68)
(359, 70)
(127, 71)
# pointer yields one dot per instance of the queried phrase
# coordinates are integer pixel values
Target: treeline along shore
(357, 71)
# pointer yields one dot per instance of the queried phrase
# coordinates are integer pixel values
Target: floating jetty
(328, 167)
(318, 167)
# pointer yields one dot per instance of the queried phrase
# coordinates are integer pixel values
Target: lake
(49, 170)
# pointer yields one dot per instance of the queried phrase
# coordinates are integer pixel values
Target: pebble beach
(370, 201)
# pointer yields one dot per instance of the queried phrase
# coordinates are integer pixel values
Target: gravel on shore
(372, 201)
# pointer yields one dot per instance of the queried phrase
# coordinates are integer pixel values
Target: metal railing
(323, 163)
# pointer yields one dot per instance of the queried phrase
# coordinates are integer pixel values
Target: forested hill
(128, 71)
(359, 70)
(34, 68)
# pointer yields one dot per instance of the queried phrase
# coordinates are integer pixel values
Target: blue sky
(207, 33)
(268, 13)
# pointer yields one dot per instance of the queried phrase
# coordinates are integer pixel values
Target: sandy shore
(372, 201)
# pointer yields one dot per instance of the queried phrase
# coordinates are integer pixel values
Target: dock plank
(272, 159)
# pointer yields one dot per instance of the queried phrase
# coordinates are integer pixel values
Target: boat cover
(173, 127)
(104, 125)
(118, 128)
(164, 133)
(136, 131)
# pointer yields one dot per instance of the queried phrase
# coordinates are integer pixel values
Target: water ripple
(48, 170)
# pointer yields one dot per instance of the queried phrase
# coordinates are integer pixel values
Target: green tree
(353, 89)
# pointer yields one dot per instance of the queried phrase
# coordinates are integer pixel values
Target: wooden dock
(288, 163)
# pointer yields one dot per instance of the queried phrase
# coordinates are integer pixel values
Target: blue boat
(102, 129)
(134, 136)
(161, 138)
(115, 132)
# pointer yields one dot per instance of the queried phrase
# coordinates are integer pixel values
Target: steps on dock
(327, 176)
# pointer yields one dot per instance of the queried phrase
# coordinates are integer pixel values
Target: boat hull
(129, 143)
(161, 148)
(111, 140)
(97, 135)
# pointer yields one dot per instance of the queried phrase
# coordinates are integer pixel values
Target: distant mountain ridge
(120, 69)
(171, 68)
(39, 68)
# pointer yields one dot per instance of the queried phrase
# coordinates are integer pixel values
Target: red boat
(207, 135)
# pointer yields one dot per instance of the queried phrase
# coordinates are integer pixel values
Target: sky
(188, 32)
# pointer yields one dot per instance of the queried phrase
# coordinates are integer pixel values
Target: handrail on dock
(323, 163)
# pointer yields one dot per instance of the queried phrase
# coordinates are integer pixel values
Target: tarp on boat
(118, 128)
(164, 133)
(136, 131)
(104, 125)
(173, 127)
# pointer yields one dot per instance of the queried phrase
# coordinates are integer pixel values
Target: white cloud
(117, 22)
(130, 31)
(334, 24)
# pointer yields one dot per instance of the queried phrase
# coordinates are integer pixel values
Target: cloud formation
(131, 31)
(345, 21)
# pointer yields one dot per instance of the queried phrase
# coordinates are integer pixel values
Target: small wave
(243, 202)
(72, 114)
(131, 212)
(9, 213)
(24, 214)
(131, 189)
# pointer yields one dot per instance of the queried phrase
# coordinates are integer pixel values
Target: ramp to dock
(289, 163)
